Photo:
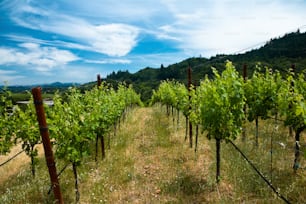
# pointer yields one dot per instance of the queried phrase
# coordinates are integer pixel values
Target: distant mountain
(60, 85)
(279, 53)
(46, 87)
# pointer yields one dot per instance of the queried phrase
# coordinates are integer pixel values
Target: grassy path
(149, 162)
(156, 164)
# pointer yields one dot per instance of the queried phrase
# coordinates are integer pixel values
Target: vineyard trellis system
(219, 106)
(73, 122)
(260, 174)
(11, 158)
(44, 131)
(222, 104)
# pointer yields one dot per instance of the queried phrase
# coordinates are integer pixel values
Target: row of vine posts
(44, 132)
(293, 119)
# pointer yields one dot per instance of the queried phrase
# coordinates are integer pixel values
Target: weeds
(149, 162)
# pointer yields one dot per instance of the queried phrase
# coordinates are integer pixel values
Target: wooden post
(245, 77)
(218, 157)
(245, 72)
(101, 137)
(291, 134)
(102, 146)
(189, 97)
(98, 80)
(196, 139)
(44, 132)
(97, 137)
(297, 155)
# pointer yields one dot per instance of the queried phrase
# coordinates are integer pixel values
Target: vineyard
(230, 139)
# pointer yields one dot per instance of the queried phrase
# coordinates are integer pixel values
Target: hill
(278, 54)
(48, 88)
(21, 93)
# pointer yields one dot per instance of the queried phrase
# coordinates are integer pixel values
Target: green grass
(23, 188)
(247, 182)
(149, 162)
(25, 96)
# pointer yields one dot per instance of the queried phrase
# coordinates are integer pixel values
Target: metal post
(189, 89)
(44, 132)
(98, 80)
(245, 77)
(291, 134)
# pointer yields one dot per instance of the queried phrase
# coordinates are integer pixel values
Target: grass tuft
(149, 162)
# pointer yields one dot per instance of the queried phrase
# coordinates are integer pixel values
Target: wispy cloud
(113, 39)
(9, 75)
(198, 27)
(109, 61)
(73, 40)
(78, 73)
(211, 27)
(52, 43)
(42, 59)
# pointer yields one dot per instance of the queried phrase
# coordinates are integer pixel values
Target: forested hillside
(278, 54)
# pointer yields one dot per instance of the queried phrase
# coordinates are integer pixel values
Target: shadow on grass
(186, 184)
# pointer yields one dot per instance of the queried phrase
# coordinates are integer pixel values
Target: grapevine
(7, 122)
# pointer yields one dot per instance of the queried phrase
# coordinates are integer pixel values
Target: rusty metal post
(293, 68)
(245, 77)
(189, 97)
(292, 71)
(245, 73)
(98, 80)
(291, 132)
(44, 132)
(101, 137)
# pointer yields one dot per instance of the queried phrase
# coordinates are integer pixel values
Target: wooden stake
(44, 132)
(189, 89)
(98, 80)
(245, 76)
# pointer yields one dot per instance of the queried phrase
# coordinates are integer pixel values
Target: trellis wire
(260, 174)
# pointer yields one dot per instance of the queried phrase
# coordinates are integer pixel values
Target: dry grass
(157, 165)
(249, 187)
(12, 168)
(149, 162)
(146, 167)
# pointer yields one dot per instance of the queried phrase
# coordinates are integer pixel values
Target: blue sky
(43, 41)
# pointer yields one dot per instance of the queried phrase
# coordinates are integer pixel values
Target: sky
(43, 41)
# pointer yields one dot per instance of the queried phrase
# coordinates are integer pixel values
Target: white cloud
(127, 11)
(6, 76)
(156, 59)
(30, 46)
(51, 43)
(109, 61)
(42, 59)
(212, 27)
(197, 26)
(113, 39)
(33, 43)
(78, 73)
(114, 28)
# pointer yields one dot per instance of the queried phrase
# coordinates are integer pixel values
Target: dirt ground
(15, 165)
